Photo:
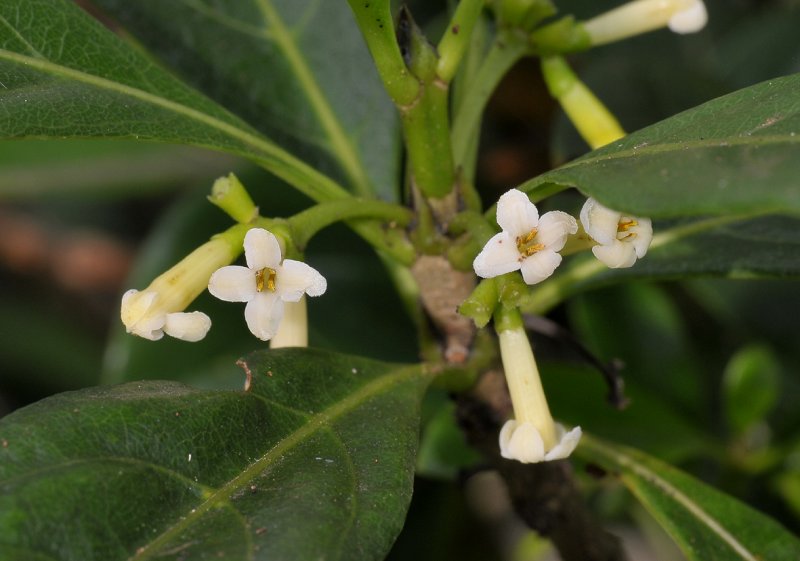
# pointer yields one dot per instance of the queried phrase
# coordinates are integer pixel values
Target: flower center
(266, 277)
(624, 225)
(525, 244)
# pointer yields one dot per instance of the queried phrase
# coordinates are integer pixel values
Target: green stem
(427, 135)
(555, 290)
(457, 38)
(375, 20)
(506, 50)
(307, 223)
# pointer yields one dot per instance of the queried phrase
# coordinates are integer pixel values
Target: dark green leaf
(65, 75)
(705, 523)
(735, 154)
(299, 71)
(314, 461)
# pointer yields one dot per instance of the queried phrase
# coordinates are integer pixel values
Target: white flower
(266, 283)
(532, 436)
(623, 239)
(159, 308)
(641, 16)
(527, 242)
(522, 442)
(145, 315)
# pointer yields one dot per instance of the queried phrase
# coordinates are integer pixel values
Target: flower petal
(263, 314)
(261, 249)
(233, 284)
(690, 20)
(498, 257)
(516, 214)
(521, 442)
(600, 222)
(540, 265)
(617, 255)
(188, 326)
(294, 278)
(140, 314)
(644, 235)
(567, 441)
(554, 227)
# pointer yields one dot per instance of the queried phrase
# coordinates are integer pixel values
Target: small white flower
(527, 242)
(145, 315)
(622, 239)
(266, 283)
(522, 442)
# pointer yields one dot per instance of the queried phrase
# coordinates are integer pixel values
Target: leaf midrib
(704, 517)
(319, 421)
(655, 149)
(260, 145)
(340, 143)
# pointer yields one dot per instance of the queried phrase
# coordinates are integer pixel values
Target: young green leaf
(62, 75)
(734, 154)
(314, 461)
(705, 523)
(297, 71)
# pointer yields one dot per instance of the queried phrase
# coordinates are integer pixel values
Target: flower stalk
(595, 123)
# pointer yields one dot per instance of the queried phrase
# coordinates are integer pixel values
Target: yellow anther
(265, 277)
(523, 241)
(530, 250)
(626, 224)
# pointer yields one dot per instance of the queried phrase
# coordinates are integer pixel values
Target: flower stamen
(266, 277)
(524, 245)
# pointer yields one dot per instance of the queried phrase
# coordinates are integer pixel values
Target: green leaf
(705, 523)
(314, 461)
(731, 247)
(65, 75)
(735, 154)
(297, 71)
(750, 386)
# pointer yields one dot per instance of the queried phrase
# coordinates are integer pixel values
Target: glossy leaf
(314, 461)
(705, 523)
(298, 71)
(65, 75)
(734, 154)
(765, 247)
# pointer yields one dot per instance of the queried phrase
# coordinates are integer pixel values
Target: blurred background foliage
(711, 367)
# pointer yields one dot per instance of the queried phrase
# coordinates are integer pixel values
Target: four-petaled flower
(527, 243)
(266, 283)
(622, 239)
